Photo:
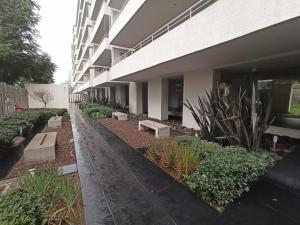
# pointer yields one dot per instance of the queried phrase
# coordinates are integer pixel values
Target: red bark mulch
(128, 132)
(64, 154)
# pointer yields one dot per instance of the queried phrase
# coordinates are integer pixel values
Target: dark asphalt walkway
(121, 187)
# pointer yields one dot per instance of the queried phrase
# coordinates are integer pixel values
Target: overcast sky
(57, 20)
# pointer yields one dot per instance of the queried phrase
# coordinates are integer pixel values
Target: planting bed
(175, 124)
(43, 197)
(128, 132)
(65, 154)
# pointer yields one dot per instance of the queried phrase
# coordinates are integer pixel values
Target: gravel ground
(128, 132)
(64, 154)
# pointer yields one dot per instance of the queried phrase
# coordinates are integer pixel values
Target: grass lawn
(295, 109)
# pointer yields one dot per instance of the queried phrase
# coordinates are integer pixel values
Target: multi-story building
(155, 54)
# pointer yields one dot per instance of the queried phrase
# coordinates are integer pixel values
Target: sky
(55, 27)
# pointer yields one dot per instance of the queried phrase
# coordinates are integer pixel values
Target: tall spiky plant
(234, 120)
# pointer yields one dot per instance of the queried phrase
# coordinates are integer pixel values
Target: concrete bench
(161, 130)
(55, 122)
(119, 116)
(41, 148)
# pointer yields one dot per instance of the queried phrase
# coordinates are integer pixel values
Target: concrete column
(158, 99)
(135, 98)
(90, 52)
(196, 84)
(102, 93)
(120, 94)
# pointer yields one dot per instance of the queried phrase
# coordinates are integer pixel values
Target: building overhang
(137, 13)
(276, 46)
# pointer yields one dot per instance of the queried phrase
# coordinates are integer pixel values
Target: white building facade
(154, 55)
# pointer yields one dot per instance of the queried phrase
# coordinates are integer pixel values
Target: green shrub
(186, 161)
(217, 174)
(20, 207)
(175, 155)
(96, 111)
(13, 125)
(223, 177)
(102, 110)
(44, 197)
(203, 148)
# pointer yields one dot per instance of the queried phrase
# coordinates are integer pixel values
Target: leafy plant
(168, 153)
(186, 161)
(154, 150)
(67, 196)
(223, 177)
(20, 207)
(96, 111)
(174, 155)
(41, 182)
(17, 123)
(44, 197)
(235, 120)
(217, 174)
(203, 148)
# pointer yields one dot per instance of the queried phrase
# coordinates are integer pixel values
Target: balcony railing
(100, 70)
(186, 15)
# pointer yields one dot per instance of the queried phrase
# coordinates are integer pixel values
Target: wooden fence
(10, 96)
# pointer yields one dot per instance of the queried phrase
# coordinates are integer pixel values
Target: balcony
(117, 4)
(137, 13)
(102, 56)
(86, 31)
(101, 26)
(199, 38)
(102, 78)
(96, 7)
(87, 85)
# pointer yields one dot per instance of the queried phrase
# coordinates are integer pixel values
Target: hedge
(18, 123)
(224, 173)
(96, 111)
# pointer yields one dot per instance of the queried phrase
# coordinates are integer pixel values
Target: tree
(43, 95)
(21, 58)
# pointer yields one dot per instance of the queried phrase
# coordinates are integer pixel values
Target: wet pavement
(120, 187)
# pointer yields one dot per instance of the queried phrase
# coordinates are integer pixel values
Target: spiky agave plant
(236, 120)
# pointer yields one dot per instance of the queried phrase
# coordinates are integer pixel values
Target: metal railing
(100, 70)
(186, 15)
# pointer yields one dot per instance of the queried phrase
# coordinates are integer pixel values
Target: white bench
(55, 122)
(161, 130)
(41, 148)
(119, 116)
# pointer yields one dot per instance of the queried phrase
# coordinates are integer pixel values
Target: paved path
(121, 187)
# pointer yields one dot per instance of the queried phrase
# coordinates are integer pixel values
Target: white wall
(158, 99)
(196, 83)
(60, 93)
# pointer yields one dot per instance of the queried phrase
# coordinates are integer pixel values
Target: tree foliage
(21, 58)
